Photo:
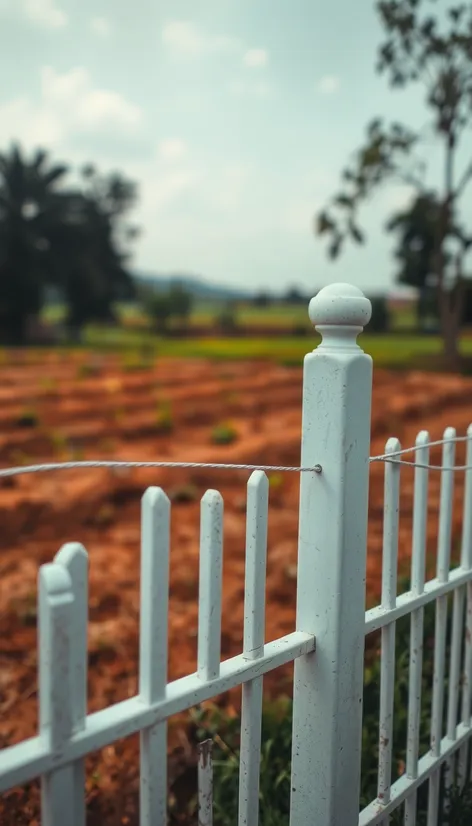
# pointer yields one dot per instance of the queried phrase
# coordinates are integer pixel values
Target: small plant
(28, 418)
(135, 361)
(276, 481)
(88, 369)
(164, 420)
(224, 434)
(59, 442)
(49, 385)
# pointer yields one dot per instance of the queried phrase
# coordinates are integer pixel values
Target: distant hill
(198, 287)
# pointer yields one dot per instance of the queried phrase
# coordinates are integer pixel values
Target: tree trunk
(450, 314)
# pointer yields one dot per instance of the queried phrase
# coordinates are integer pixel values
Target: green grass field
(395, 351)
(133, 335)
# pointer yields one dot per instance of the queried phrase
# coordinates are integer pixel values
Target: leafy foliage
(223, 434)
(380, 318)
(163, 306)
(72, 240)
(435, 51)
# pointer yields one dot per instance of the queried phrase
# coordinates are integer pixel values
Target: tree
(294, 296)
(158, 307)
(162, 306)
(415, 228)
(437, 52)
(73, 240)
(262, 299)
(97, 276)
(181, 302)
(380, 318)
(31, 205)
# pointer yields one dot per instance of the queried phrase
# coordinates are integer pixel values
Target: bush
(380, 319)
(227, 320)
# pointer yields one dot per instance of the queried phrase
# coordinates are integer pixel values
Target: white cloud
(186, 39)
(256, 58)
(172, 149)
(44, 13)
(100, 26)
(241, 88)
(68, 105)
(328, 85)
(86, 107)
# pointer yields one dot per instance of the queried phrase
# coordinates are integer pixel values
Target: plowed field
(61, 408)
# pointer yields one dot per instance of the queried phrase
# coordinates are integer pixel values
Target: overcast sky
(234, 116)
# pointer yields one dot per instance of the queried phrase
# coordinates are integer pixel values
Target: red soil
(115, 414)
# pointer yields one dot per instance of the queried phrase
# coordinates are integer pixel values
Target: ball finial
(340, 305)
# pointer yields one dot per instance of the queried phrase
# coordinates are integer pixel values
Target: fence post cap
(340, 305)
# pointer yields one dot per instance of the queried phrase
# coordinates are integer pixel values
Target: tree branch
(466, 177)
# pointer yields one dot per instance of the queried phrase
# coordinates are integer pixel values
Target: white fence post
(328, 686)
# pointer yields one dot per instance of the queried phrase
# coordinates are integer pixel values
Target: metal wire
(16, 471)
(83, 465)
(392, 457)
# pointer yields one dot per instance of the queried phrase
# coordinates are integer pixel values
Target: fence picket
(455, 669)
(155, 542)
(253, 647)
(210, 578)
(73, 557)
(205, 783)
(418, 559)
(389, 596)
(442, 573)
(56, 712)
(466, 565)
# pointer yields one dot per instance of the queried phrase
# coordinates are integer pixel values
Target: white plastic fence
(330, 617)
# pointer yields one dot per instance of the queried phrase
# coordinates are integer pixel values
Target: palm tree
(31, 205)
(50, 236)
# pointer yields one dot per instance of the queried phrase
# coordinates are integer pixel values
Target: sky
(235, 118)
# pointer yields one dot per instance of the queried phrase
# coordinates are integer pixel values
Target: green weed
(223, 434)
(164, 419)
(29, 417)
